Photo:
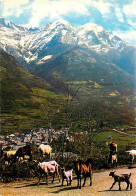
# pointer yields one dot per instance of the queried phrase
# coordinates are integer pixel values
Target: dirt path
(101, 183)
(124, 133)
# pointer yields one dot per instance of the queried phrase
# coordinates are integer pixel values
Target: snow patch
(44, 59)
(28, 59)
(93, 27)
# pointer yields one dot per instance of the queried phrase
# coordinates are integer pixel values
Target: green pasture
(121, 140)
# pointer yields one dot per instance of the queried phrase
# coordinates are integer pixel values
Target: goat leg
(77, 181)
(47, 179)
(70, 180)
(119, 186)
(67, 182)
(80, 182)
(84, 180)
(91, 180)
(62, 181)
(127, 185)
(113, 185)
(59, 177)
(53, 178)
(38, 183)
(130, 185)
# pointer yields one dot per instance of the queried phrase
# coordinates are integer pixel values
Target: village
(39, 136)
(31, 137)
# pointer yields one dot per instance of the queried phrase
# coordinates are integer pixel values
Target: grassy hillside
(25, 99)
(29, 102)
(79, 64)
(106, 88)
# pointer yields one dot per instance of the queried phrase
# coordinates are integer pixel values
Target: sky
(117, 16)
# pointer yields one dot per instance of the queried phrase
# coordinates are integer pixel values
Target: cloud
(13, 7)
(55, 9)
(59, 8)
(103, 7)
(98, 11)
(51, 9)
(128, 36)
(119, 14)
(130, 12)
(130, 9)
(132, 22)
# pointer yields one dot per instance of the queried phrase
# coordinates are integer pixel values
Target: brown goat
(121, 178)
(22, 151)
(9, 158)
(83, 169)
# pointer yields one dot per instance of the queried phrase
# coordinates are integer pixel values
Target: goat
(112, 159)
(67, 175)
(133, 154)
(8, 158)
(121, 178)
(47, 168)
(45, 150)
(22, 151)
(83, 169)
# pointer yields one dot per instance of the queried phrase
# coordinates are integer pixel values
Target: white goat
(45, 150)
(50, 167)
(67, 175)
(133, 154)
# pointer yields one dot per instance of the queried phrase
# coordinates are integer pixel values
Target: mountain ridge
(97, 64)
(32, 45)
(92, 45)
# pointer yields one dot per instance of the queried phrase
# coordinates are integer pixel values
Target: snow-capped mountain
(89, 43)
(99, 65)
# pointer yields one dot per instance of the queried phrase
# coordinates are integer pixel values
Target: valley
(68, 97)
(82, 67)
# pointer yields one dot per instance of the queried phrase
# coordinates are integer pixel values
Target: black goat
(121, 178)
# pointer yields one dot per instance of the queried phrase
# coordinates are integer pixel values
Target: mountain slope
(78, 65)
(22, 96)
(99, 65)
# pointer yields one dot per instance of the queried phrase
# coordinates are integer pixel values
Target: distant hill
(22, 96)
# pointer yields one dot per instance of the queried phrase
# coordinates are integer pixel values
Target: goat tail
(129, 175)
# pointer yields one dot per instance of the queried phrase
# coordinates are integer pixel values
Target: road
(101, 184)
